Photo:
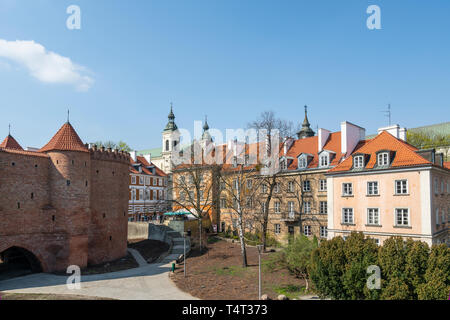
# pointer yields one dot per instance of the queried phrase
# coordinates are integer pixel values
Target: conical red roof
(66, 139)
(10, 143)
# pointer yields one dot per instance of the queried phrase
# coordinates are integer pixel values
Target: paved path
(149, 282)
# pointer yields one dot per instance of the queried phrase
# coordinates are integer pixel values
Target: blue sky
(227, 59)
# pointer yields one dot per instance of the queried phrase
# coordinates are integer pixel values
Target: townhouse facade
(390, 188)
(148, 186)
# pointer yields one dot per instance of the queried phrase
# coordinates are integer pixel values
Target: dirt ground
(149, 249)
(218, 275)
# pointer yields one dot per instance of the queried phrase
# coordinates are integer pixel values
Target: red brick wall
(63, 224)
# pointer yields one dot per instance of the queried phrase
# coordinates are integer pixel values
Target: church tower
(170, 142)
(206, 136)
(306, 130)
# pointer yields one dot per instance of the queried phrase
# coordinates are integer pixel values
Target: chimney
(322, 135)
(351, 134)
(396, 131)
(148, 157)
(133, 155)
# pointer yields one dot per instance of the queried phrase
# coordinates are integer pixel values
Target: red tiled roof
(447, 164)
(10, 143)
(405, 154)
(25, 153)
(65, 139)
(145, 164)
(310, 145)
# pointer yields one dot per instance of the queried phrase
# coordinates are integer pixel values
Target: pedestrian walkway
(149, 282)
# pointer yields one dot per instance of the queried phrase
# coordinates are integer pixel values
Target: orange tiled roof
(10, 143)
(447, 164)
(310, 145)
(405, 154)
(25, 153)
(65, 139)
(145, 163)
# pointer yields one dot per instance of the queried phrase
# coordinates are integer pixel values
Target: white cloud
(46, 66)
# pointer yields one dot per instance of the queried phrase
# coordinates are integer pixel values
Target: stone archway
(18, 261)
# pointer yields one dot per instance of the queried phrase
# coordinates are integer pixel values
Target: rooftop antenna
(68, 115)
(9, 129)
(387, 113)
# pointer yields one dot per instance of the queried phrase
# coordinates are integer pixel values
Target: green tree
(392, 261)
(424, 140)
(298, 256)
(360, 252)
(416, 265)
(437, 275)
(327, 268)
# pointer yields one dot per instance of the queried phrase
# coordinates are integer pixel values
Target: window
(358, 162)
(249, 184)
(141, 194)
(307, 207)
(372, 188)
(323, 185)
(307, 230)
(167, 145)
(223, 203)
(277, 207)
(291, 186)
(133, 194)
(147, 181)
(323, 207)
(306, 185)
(141, 180)
(383, 159)
(347, 215)
(347, 189)
(302, 162)
(277, 228)
(401, 186)
(323, 232)
(401, 217)
(249, 202)
(436, 186)
(373, 216)
(263, 207)
(154, 181)
(283, 164)
(263, 188)
(324, 160)
(68, 182)
(442, 186)
(133, 179)
(377, 241)
(437, 216)
(291, 206)
(182, 196)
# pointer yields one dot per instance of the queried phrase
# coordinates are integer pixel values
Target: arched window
(167, 145)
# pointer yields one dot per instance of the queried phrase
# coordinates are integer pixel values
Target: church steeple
(206, 135)
(171, 126)
(306, 130)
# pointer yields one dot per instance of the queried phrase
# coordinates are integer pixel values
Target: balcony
(290, 216)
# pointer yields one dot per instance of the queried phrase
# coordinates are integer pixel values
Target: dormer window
(383, 159)
(324, 160)
(302, 162)
(283, 164)
(358, 162)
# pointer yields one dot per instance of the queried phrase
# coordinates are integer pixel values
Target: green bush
(408, 269)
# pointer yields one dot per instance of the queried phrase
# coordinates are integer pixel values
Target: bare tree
(238, 186)
(194, 185)
(274, 128)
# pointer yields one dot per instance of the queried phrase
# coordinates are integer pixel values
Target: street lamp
(184, 249)
(260, 250)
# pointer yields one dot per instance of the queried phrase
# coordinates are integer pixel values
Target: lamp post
(260, 249)
(184, 254)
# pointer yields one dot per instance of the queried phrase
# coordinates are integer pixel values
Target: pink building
(388, 188)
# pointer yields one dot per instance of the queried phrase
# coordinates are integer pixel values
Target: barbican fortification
(64, 204)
